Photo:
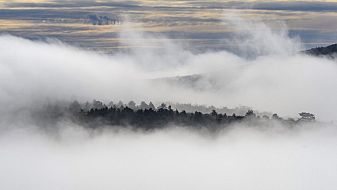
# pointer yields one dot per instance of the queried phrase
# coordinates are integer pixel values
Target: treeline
(147, 116)
(95, 104)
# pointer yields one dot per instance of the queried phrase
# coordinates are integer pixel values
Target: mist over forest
(261, 115)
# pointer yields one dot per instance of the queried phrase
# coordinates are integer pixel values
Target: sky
(196, 24)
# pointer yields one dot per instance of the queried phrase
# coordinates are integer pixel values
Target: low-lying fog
(238, 158)
(269, 75)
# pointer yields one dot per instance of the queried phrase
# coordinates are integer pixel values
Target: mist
(273, 76)
(269, 74)
(237, 158)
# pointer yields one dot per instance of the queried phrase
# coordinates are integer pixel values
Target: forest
(147, 116)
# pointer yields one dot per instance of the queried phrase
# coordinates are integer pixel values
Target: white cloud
(278, 80)
(240, 158)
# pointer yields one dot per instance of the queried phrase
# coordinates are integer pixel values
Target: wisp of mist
(278, 78)
(274, 77)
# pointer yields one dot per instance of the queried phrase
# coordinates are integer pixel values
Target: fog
(237, 158)
(268, 74)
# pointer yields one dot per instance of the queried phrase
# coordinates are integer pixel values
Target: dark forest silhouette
(147, 116)
(329, 51)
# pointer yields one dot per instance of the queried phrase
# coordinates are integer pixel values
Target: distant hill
(330, 51)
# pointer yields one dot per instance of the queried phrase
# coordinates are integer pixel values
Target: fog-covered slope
(329, 51)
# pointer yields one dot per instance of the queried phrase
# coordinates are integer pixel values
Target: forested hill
(329, 51)
(165, 116)
(147, 116)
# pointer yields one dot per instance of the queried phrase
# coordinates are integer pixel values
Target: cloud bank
(276, 78)
(239, 158)
(269, 75)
